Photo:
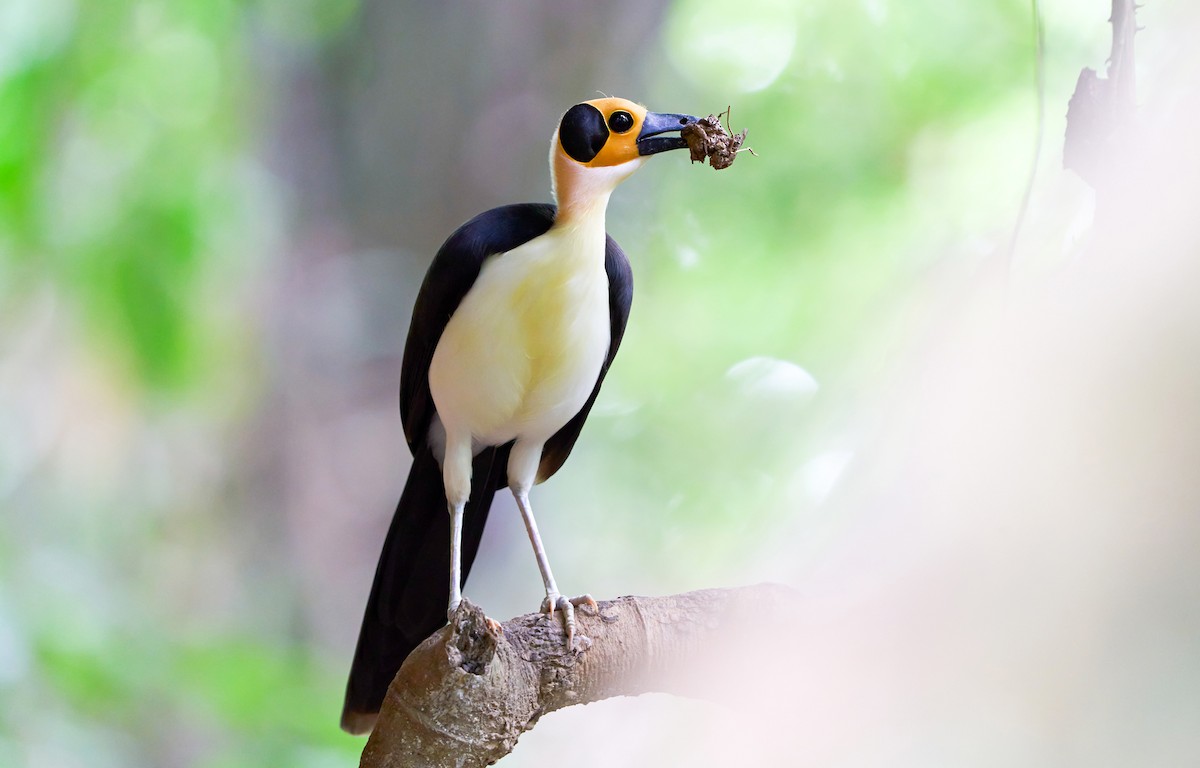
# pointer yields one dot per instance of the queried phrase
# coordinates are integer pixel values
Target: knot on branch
(473, 637)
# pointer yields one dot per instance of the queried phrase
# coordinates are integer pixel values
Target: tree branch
(466, 694)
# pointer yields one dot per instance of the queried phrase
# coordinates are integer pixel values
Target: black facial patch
(582, 132)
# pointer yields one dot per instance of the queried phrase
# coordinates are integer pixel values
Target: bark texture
(466, 694)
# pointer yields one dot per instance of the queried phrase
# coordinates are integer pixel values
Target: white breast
(522, 352)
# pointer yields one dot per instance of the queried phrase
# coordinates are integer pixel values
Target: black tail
(412, 581)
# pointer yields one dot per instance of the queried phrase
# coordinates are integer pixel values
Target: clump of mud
(708, 140)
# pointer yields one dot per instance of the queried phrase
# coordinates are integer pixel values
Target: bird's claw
(589, 601)
(566, 607)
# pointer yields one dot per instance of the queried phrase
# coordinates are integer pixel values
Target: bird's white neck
(582, 192)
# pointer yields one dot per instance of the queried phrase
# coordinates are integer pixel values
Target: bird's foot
(566, 608)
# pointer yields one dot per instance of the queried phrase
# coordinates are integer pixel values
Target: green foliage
(257, 702)
(113, 124)
(128, 195)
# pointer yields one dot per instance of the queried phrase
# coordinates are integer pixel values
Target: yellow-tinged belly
(522, 352)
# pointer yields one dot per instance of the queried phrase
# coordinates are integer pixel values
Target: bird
(515, 326)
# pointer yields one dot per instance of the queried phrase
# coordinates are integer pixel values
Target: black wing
(620, 297)
(450, 276)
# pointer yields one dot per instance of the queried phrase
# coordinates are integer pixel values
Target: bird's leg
(523, 462)
(456, 478)
(554, 600)
(456, 518)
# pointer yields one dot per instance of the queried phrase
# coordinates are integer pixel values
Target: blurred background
(214, 218)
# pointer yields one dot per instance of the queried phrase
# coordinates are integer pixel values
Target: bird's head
(599, 143)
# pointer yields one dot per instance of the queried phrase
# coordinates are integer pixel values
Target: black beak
(657, 123)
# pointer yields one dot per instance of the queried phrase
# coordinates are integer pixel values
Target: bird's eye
(620, 121)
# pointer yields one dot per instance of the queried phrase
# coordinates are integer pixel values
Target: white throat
(580, 191)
